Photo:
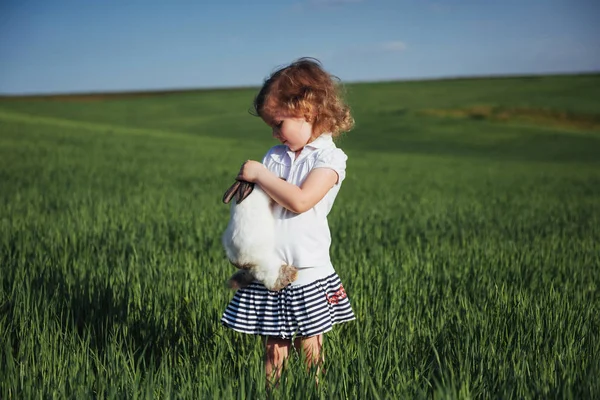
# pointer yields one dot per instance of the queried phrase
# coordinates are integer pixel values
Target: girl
(301, 104)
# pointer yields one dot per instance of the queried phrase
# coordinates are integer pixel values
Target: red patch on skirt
(337, 296)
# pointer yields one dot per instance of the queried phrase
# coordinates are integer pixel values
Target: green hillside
(467, 235)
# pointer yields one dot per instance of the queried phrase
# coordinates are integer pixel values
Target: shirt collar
(324, 140)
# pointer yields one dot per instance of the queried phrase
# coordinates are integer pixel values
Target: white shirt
(303, 240)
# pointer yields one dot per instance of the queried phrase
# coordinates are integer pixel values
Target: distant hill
(99, 95)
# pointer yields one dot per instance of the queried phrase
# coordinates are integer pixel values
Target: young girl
(301, 104)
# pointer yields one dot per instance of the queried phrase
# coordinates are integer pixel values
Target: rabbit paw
(287, 275)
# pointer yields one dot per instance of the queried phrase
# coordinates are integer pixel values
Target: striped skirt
(294, 311)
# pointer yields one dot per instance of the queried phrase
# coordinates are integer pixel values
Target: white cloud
(393, 46)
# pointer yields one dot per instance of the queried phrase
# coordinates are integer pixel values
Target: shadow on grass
(103, 310)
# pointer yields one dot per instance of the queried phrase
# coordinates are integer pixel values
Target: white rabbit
(249, 239)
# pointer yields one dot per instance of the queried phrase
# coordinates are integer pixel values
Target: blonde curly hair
(304, 89)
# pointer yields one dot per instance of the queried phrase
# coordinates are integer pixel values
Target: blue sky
(57, 46)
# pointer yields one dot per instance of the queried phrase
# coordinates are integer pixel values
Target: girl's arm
(294, 198)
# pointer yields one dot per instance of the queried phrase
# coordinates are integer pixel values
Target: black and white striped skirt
(294, 311)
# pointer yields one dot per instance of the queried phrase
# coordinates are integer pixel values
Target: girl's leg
(312, 348)
(277, 351)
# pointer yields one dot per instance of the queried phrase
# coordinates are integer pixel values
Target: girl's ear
(316, 123)
(310, 118)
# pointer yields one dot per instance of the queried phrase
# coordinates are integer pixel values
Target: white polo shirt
(303, 240)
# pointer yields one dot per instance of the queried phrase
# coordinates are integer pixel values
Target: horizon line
(178, 90)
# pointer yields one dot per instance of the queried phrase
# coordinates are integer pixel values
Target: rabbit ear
(230, 192)
(244, 191)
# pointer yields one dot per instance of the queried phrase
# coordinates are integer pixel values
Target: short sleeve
(274, 160)
(334, 159)
(267, 156)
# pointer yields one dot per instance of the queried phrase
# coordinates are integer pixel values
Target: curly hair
(304, 89)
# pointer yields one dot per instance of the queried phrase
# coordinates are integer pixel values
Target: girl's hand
(250, 171)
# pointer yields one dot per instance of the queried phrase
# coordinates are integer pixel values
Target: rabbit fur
(249, 239)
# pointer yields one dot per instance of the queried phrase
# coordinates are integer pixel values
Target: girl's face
(294, 132)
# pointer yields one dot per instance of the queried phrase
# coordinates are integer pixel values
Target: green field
(467, 235)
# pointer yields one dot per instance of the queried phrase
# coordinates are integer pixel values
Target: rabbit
(249, 239)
